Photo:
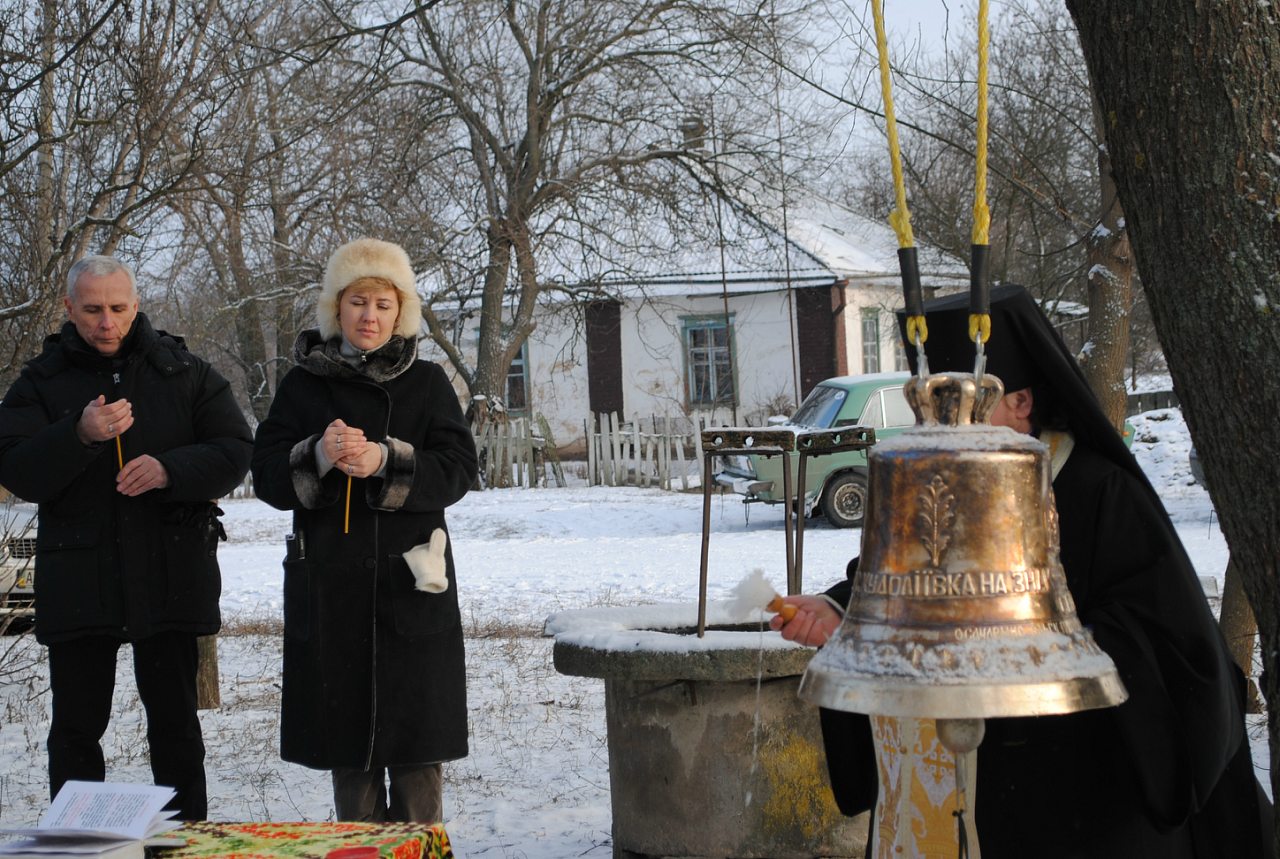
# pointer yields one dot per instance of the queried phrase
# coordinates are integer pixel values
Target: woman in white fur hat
(367, 445)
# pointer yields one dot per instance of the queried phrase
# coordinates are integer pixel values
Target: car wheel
(844, 502)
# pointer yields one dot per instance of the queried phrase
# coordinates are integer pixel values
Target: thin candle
(346, 513)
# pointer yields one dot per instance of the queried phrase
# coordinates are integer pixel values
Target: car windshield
(820, 408)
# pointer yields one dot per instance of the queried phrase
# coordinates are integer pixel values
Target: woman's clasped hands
(349, 451)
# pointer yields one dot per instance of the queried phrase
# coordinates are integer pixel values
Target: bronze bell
(960, 607)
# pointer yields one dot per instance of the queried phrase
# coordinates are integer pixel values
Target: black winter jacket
(107, 563)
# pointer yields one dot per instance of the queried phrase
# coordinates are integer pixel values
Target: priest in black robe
(1168, 773)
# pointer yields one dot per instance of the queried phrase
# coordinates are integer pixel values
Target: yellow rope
(900, 217)
(981, 214)
(980, 323)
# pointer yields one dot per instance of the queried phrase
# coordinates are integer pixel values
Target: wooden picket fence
(512, 454)
(654, 451)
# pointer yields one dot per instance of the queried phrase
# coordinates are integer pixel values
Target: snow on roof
(1065, 310)
(743, 249)
(734, 282)
(827, 242)
(741, 253)
(859, 248)
(738, 253)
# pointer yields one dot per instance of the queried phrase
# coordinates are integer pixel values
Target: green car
(836, 482)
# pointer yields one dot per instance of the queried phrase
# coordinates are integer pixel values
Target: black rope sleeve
(911, 291)
(979, 288)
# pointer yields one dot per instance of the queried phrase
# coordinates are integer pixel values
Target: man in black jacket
(124, 439)
(1168, 773)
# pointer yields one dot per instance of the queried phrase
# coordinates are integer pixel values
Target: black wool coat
(1165, 775)
(107, 564)
(374, 670)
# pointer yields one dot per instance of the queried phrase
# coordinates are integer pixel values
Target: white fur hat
(369, 258)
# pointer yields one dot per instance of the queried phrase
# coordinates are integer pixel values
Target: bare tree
(1040, 173)
(281, 178)
(553, 129)
(1191, 97)
(103, 110)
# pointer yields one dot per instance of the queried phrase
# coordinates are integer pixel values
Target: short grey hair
(98, 265)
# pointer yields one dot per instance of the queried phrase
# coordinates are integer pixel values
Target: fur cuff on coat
(397, 480)
(306, 481)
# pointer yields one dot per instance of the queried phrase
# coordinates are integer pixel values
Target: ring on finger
(111, 427)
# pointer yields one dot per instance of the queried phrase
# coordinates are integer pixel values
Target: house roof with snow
(824, 242)
(861, 249)
(743, 249)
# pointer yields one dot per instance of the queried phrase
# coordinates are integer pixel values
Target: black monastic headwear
(1025, 351)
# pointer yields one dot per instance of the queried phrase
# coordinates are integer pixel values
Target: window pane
(872, 414)
(870, 340)
(900, 356)
(516, 399)
(724, 380)
(517, 384)
(701, 385)
(897, 412)
(820, 408)
(709, 366)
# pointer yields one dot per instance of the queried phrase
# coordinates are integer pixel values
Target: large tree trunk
(1191, 93)
(1110, 293)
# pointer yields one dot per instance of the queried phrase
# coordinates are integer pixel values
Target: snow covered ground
(536, 784)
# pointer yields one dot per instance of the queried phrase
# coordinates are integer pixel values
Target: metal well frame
(772, 441)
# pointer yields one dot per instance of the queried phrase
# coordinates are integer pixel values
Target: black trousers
(417, 794)
(82, 675)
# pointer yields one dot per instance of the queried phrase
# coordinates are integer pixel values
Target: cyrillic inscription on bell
(960, 607)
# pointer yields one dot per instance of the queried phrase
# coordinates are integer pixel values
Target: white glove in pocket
(427, 563)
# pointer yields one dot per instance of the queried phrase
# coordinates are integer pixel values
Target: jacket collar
(325, 358)
(141, 340)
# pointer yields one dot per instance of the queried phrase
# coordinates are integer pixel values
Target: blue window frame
(709, 362)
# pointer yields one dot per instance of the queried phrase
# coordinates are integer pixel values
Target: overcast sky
(926, 22)
(846, 58)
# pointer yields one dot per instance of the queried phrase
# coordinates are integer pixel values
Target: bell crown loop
(953, 399)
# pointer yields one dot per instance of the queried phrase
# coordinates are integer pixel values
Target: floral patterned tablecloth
(207, 840)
